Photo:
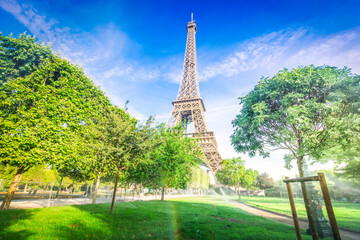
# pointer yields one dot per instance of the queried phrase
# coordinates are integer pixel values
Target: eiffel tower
(190, 108)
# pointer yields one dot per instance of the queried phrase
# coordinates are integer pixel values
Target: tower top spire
(189, 87)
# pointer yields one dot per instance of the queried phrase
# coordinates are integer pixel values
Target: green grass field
(347, 214)
(188, 218)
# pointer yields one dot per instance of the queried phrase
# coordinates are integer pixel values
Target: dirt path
(345, 234)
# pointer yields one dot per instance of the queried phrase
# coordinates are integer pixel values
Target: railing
(201, 135)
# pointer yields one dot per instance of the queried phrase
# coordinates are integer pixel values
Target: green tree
(232, 172)
(7, 172)
(145, 174)
(348, 152)
(249, 179)
(264, 181)
(175, 157)
(19, 57)
(97, 155)
(93, 156)
(348, 155)
(200, 179)
(129, 143)
(279, 189)
(41, 173)
(204, 179)
(41, 114)
(39, 176)
(306, 111)
(351, 170)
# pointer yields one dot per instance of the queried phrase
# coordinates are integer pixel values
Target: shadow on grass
(9, 228)
(202, 219)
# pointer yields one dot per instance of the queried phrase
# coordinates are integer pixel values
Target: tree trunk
(96, 187)
(25, 188)
(59, 188)
(237, 192)
(9, 196)
(163, 193)
(114, 194)
(133, 192)
(300, 163)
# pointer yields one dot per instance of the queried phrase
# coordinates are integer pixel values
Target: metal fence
(48, 194)
(42, 194)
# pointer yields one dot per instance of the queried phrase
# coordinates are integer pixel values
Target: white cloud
(272, 52)
(132, 72)
(28, 16)
(265, 56)
(174, 76)
(103, 54)
(116, 100)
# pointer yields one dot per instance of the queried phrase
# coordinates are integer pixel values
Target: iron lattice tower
(189, 107)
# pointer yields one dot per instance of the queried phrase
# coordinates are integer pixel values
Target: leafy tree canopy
(249, 179)
(351, 170)
(129, 143)
(348, 158)
(306, 111)
(264, 181)
(20, 56)
(233, 170)
(234, 174)
(44, 102)
(174, 158)
(41, 114)
(200, 179)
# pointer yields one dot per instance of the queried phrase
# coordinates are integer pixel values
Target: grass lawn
(347, 214)
(187, 218)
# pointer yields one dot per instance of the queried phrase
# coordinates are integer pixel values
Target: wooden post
(329, 208)
(302, 179)
(293, 210)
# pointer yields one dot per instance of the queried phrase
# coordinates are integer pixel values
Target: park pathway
(345, 234)
(42, 203)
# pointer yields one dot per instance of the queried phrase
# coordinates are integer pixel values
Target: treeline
(52, 114)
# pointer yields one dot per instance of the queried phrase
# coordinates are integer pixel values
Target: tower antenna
(192, 15)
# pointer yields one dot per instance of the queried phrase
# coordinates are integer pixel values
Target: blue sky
(134, 49)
